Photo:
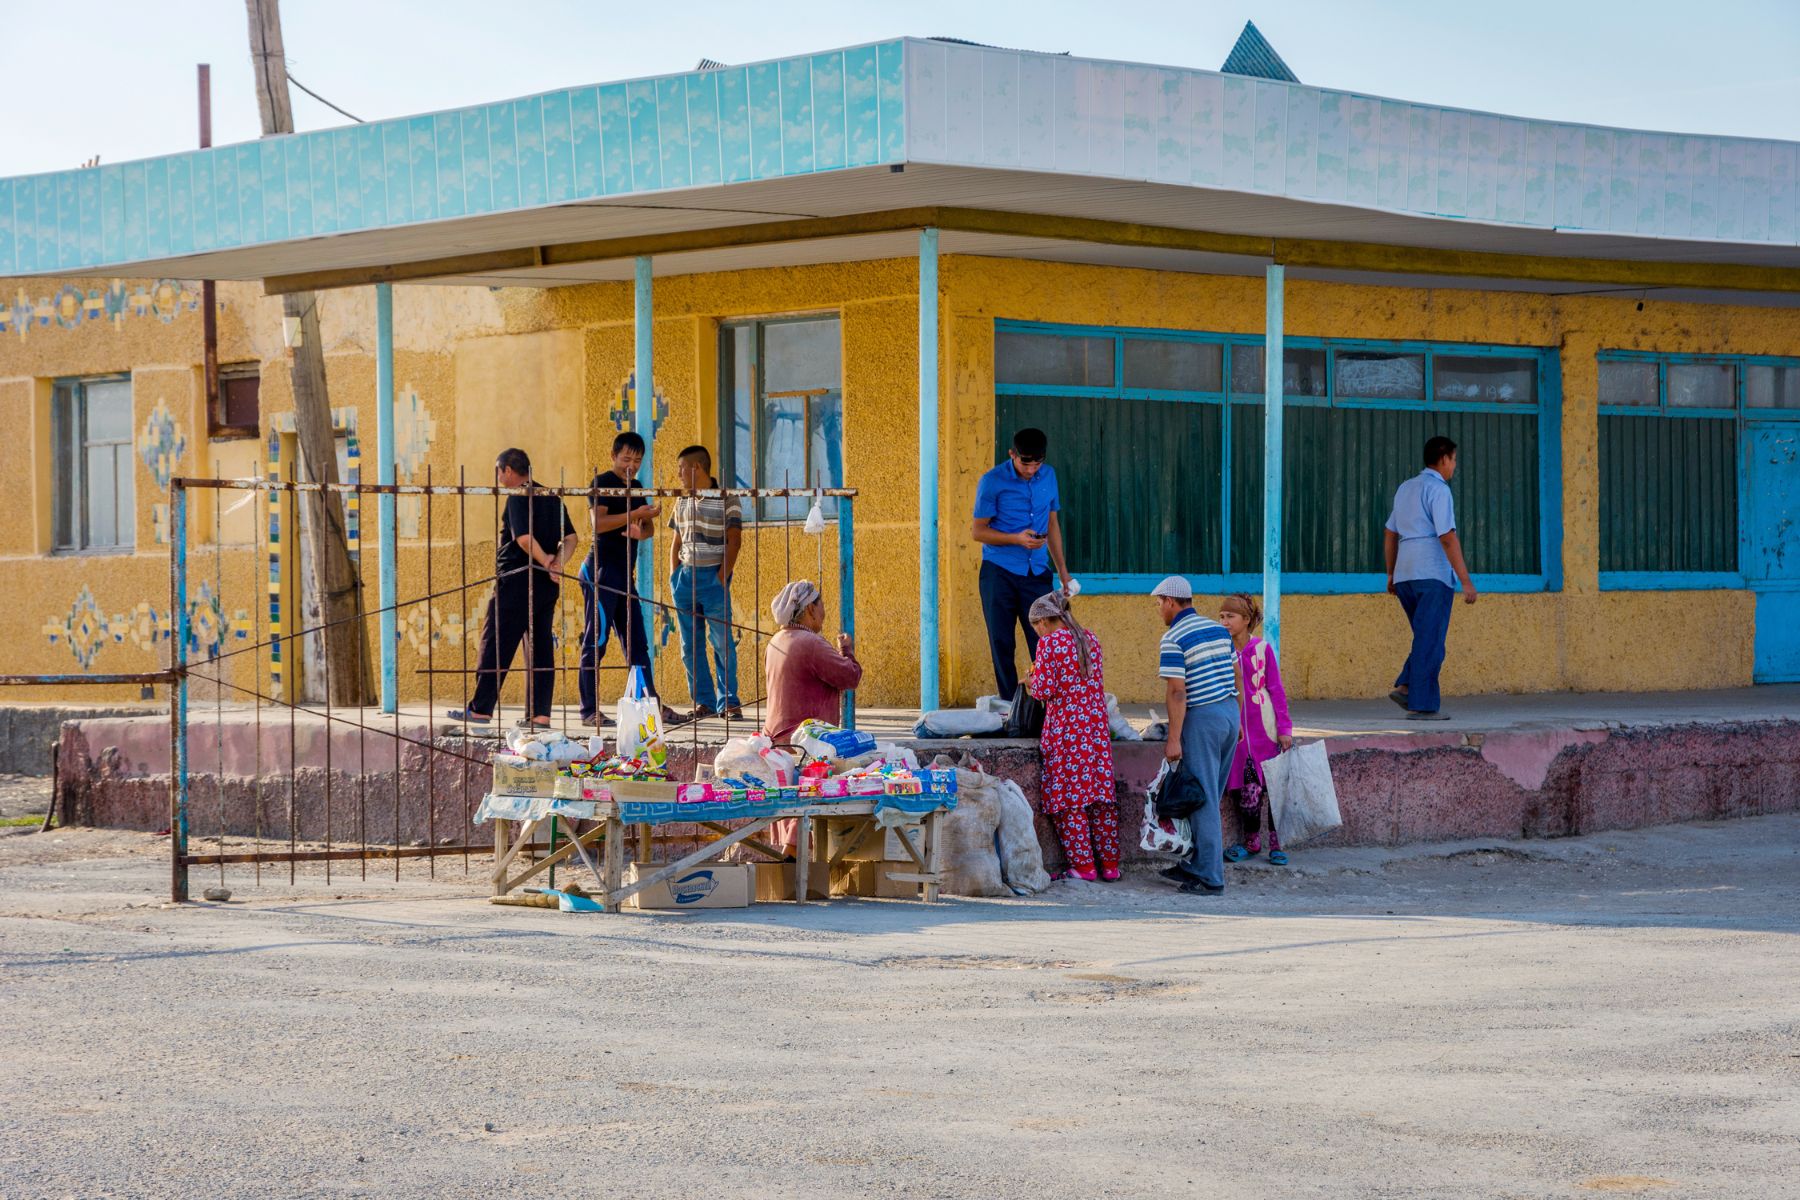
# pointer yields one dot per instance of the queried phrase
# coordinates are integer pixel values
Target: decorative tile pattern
(161, 444)
(82, 629)
(625, 415)
(414, 431)
(343, 420)
(810, 113)
(72, 308)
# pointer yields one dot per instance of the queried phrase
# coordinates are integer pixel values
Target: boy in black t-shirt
(523, 605)
(609, 599)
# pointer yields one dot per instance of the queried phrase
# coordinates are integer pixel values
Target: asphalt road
(1614, 1015)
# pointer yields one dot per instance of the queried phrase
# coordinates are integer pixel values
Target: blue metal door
(1772, 545)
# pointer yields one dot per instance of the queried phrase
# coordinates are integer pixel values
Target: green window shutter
(1139, 479)
(1343, 464)
(1668, 493)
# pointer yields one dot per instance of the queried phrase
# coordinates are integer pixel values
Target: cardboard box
(870, 880)
(777, 881)
(883, 844)
(516, 776)
(709, 885)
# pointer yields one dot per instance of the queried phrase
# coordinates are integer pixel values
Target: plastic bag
(1122, 730)
(1301, 794)
(1026, 717)
(1164, 835)
(829, 742)
(994, 704)
(959, 722)
(640, 719)
(754, 758)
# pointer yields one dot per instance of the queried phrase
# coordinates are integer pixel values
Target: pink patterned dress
(1076, 744)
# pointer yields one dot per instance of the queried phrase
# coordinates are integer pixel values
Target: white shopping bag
(1164, 835)
(1301, 794)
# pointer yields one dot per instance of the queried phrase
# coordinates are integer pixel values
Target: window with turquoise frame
(1157, 440)
(1671, 465)
(781, 407)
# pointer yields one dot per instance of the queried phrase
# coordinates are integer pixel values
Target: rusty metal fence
(261, 776)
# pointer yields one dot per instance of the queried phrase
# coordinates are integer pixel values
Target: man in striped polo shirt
(1200, 671)
(708, 531)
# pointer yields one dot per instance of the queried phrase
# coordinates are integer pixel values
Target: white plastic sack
(1122, 730)
(1164, 835)
(1021, 858)
(1301, 794)
(995, 705)
(959, 722)
(743, 758)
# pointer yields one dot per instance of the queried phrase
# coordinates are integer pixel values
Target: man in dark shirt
(609, 600)
(536, 540)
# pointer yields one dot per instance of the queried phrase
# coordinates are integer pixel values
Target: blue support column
(847, 591)
(928, 470)
(644, 421)
(384, 467)
(178, 819)
(1273, 282)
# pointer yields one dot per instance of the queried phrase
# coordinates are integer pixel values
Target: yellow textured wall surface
(1335, 646)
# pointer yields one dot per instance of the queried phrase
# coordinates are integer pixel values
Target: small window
(1052, 360)
(238, 412)
(1303, 372)
(1173, 366)
(784, 383)
(1701, 385)
(1772, 387)
(1484, 380)
(1376, 375)
(92, 465)
(1628, 383)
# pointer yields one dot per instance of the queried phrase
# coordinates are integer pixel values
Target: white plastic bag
(995, 705)
(754, 758)
(1164, 835)
(640, 717)
(1301, 794)
(959, 722)
(1122, 730)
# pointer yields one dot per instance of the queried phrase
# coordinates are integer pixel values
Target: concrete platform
(1504, 766)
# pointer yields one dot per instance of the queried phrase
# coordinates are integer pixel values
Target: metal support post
(1273, 370)
(178, 763)
(645, 424)
(384, 455)
(847, 591)
(928, 470)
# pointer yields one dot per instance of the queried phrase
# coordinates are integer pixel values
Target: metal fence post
(178, 695)
(847, 591)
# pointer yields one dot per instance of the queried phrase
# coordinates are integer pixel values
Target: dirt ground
(1612, 1015)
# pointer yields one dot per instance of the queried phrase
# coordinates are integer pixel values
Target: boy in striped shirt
(708, 531)
(1200, 671)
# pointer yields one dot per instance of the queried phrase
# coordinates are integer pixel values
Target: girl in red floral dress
(1079, 796)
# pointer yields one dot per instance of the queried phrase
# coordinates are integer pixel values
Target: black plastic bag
(1026, 720)
(1180, 794)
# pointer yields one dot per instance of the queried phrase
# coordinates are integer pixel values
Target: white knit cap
(1175, 588)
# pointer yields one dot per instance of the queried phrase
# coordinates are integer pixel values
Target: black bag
(1026, 720)
(1180, 795)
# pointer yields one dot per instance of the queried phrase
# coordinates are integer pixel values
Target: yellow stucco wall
(478, 370)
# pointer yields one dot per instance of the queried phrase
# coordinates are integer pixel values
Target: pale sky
(116, 77)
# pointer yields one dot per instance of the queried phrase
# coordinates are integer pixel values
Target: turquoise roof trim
(1254, 56)
(795, 116)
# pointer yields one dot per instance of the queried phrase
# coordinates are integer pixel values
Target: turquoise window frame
(1548, 407)
(1740, 413)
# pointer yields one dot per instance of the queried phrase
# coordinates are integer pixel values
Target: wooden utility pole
(335, 580)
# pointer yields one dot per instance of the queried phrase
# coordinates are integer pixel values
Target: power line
(323, 100)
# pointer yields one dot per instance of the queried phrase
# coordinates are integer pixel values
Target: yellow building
(1105, 248)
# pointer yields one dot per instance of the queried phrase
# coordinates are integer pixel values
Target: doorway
(1772, 545)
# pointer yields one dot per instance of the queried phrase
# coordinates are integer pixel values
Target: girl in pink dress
(1079, 796)
(1267, 728)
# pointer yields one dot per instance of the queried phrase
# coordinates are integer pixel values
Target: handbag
(1026, 718)
(1180, 794)
(1164, 835)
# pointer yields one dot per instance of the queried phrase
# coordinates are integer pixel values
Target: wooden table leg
(615, 863)
(802, 858)
(934, 854)
(502, 828)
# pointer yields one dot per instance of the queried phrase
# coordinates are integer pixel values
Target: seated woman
(807, 678)
(1078, 792)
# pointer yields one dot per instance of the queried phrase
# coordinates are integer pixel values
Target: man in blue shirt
(1424, 561)
(1015, 522)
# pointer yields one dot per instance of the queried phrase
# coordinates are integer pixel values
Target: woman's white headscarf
(793, 600)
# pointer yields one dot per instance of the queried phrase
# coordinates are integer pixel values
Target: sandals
(1085, 876)
(1236, 854)
(1278, 858)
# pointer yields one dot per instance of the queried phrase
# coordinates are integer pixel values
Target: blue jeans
(1209, 737)
(1428, 604)
(608, 607)
(699, 594)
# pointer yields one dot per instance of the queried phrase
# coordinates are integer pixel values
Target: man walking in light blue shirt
(1424, 561)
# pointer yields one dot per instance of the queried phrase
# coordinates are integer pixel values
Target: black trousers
(522, 608)
(610, 608)
(1005, 600)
